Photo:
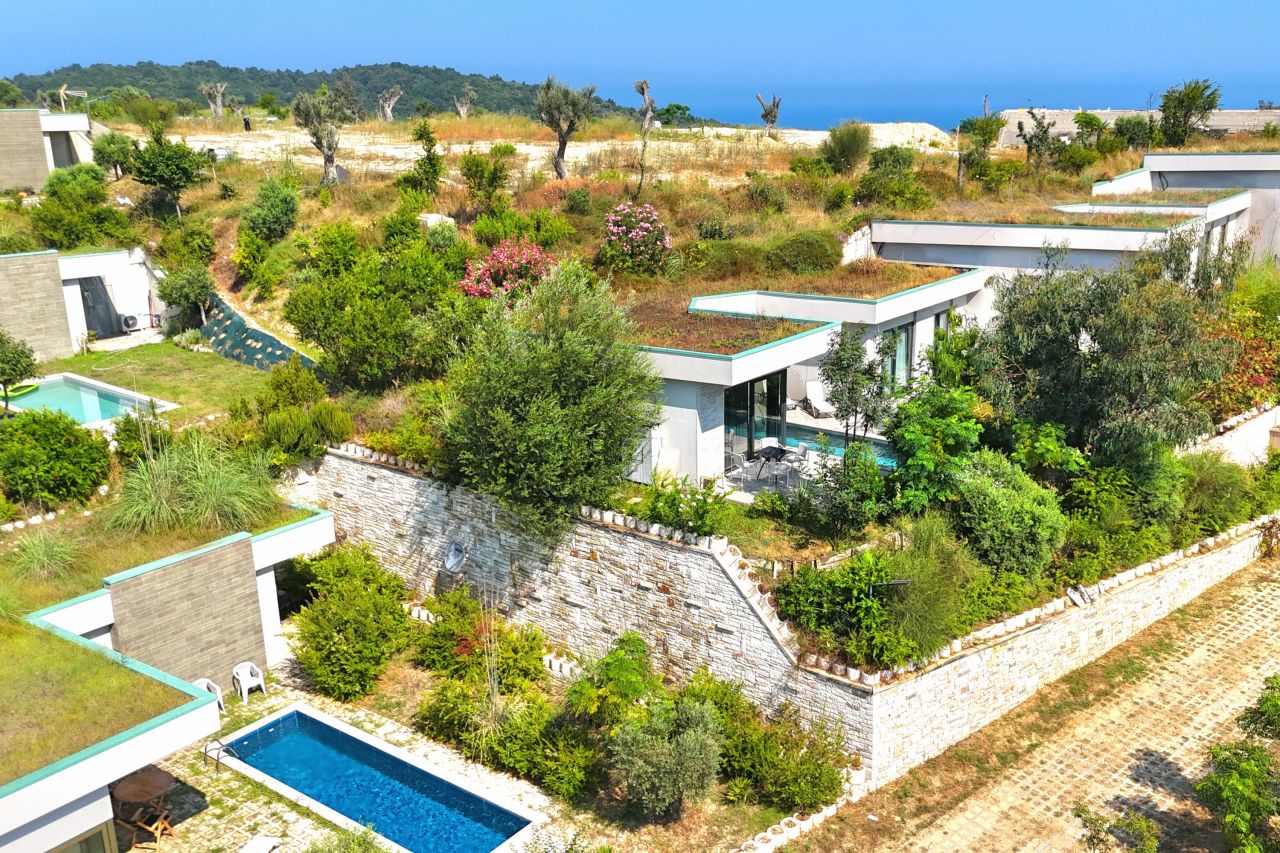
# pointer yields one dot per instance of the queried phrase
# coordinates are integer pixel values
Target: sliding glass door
(755, 414)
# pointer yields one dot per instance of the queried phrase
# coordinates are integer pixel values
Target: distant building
(1221, 122)
(34, 142)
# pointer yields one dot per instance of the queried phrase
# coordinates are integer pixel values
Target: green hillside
(438, 86)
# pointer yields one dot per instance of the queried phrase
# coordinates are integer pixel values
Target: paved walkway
(1247, 444)
(1141, 748)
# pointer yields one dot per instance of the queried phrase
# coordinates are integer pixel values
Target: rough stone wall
(23, 164)
(32, 307)
(696, 609)
(195, 617)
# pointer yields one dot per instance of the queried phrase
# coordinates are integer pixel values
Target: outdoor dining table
(146, 787)
(772, 453)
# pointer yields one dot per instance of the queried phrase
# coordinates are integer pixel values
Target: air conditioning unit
(129, 322)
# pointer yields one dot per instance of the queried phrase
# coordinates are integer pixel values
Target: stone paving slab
(1141, 748)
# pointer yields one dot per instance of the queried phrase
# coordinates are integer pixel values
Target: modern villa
(34, 142)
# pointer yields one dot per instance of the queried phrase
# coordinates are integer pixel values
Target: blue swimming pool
(797, 433)
(368, 785)
(86, 402)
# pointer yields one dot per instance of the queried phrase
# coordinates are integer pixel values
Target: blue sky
(877, 61)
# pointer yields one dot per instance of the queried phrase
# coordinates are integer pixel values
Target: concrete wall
(34, 309)
(193, 615)
(696, 606)
(23, 162)
(129, 283)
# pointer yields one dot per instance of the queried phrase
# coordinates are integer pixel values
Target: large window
(898, 365)
(99, 840)
(755, 414)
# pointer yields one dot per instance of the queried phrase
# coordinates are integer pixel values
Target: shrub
(1217, 493)
(274, 212)
(17, 363)
(765, 195)
(541, 226)
(635, 239)
(720, 259)
(139, 435)
(455, 612)
(933, 607)
(680, 504)
(844, 498)
(349, 632)
(512, 265)
(8, 512)
(614, 688)
(249, 255)
(196, 484)
(578, 201)
(715, 228)
(45, 554)
(13, 242)
(846, 146)
(521, 744)
(804, 252)
(892, 181)
(807, 773)
(571, 765)
(466, 640)
(1241, 789)
(334, 248)
(191, 244)
(667, 757)
(839, 196)
(47, 459)
(1105, 527)
(1010, 522)
(933, 432)
(289, 383)
(811, 167)
(1262, 719)
(114, 151)
(1075, 158)
(424, 176)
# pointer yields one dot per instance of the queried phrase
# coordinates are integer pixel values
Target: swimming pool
(354, 779)
(797, 433)
(90, 402)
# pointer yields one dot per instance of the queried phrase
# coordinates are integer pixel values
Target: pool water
(401, 802)
(797, 433)
(85, 403)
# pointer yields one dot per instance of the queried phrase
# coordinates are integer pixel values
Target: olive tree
(387, 102)
(114, 151)
(322, 113)
(769, 112)
(212, 93)
(563, 110)
(188, 289)
(466, 103)
(550, 400)
(646, 125)
(17, 362)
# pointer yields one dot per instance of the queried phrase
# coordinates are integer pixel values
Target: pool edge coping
(522, 837)
(162, 406)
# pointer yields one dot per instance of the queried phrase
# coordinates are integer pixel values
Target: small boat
(16, 391)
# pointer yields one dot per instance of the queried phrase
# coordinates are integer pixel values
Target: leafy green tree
(1114, 356)
(424, 177)
(114, 151)
(892, 180)
(856, 383)
(1262, 719)
(1241, 790)
(933, 431)
(1011, 523)
(170, 167)
(563, 110)
(1039, 139)
(73, 213)
(974, 160)
(1184, 109)
(551, 401)
(1090, 128)
(17, 362)
(847, 145)
(673, 115)
(10, 96)
(188, 289)
(322, 113)
(274, 211)
(486, 180)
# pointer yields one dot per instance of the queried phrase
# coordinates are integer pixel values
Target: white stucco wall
(128, 281)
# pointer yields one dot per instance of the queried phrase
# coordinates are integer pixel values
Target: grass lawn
(202, 383)
(59, 698)
(104, 552)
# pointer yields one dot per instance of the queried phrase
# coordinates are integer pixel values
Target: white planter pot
(956, 646)
(829, 811)
(856, 776)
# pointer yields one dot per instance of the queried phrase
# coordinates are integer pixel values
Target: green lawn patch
(202, 383)
(60, 697)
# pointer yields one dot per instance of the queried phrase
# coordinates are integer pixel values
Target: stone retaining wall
(696, 606)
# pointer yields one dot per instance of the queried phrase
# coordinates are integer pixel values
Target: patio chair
(144, 820)
(735, 467)
(246, 676)
(816, 394)
(208, 685)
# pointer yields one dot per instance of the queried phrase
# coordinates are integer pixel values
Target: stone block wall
(32, 307)
(194, 616)
(696, 607)
(24, 164)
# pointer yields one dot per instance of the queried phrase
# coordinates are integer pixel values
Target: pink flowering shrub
(635, 240)
(513, 263)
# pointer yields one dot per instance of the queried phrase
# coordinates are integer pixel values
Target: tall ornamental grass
(45, 554)
(196, 483)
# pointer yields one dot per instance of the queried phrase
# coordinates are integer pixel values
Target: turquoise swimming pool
(89, 402)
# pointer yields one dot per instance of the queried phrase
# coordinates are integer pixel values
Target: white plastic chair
(817, 396)
(246, 676)
(209, 686)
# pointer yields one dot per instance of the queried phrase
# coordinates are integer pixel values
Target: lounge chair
(817, 400)
(246, 676)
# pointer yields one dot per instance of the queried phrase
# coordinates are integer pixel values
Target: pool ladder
(218, 749)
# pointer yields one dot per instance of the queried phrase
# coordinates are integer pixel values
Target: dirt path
(1127, 732)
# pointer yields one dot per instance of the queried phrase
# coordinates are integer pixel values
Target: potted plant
(856, 774)
(809, 655)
